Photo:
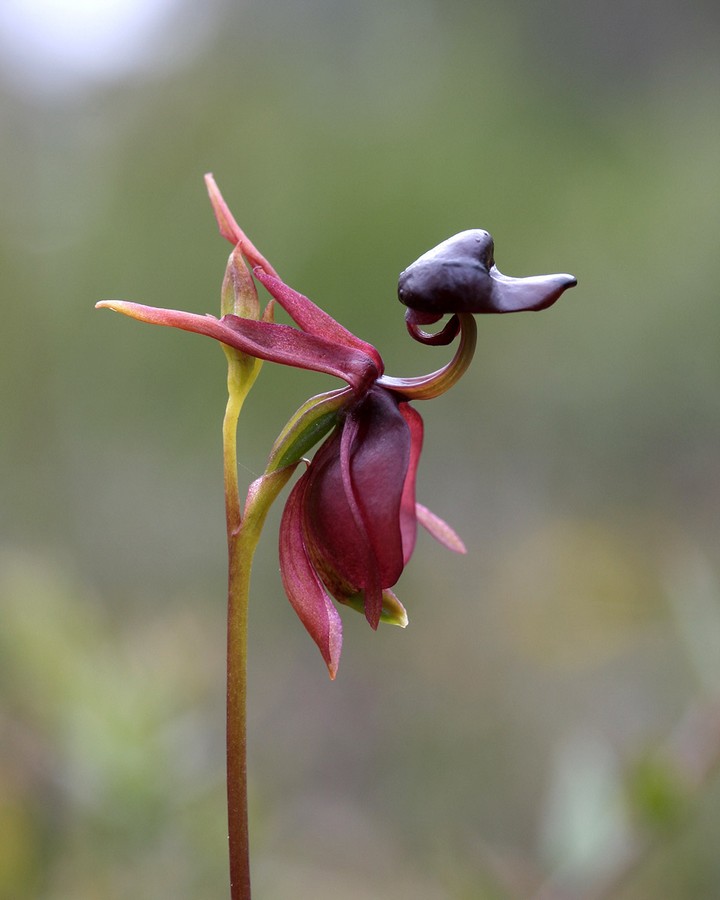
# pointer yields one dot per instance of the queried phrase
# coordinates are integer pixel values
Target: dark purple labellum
(452, 277)
(460, 276)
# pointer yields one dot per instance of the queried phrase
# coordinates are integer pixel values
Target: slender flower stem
(243, 534)
(239, 564)
(238, 585)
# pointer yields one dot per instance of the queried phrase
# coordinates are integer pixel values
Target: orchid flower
(349, 524)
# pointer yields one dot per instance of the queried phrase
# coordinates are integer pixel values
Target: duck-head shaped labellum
(460, 276)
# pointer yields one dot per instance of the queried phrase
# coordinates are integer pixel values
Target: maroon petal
(312, 319)
(408, 515)
(303, 311)
(439, 529)
(302, 585)
(229, 228)
(285, 344)
(371, 583)
(264, 340)
(353, 505)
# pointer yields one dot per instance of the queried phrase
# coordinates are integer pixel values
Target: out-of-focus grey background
(528, 734)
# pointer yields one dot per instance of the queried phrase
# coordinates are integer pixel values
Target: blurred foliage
(657, 793)
(489, 750)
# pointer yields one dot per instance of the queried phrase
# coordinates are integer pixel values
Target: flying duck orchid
(350, 522)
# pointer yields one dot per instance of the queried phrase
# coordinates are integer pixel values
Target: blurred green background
(547, 725)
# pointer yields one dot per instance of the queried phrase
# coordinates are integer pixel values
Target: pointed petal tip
(126, 307)
(439, 529)
(565, 281)
(401, 622)
(373, 608)
(529, 294)
(227, 225)
(394, 613)
(333, 648)
(532, 294)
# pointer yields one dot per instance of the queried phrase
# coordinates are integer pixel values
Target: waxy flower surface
(349, 524)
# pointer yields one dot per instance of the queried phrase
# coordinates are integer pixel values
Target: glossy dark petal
(460, 275)
(302, 585)
(372, 584)
(264, 340)
(353, 503)
(285, 344)
(408, 512)
(314, 320)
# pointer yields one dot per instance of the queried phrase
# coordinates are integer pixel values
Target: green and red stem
(243, 533)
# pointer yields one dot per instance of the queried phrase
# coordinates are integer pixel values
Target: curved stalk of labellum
(426, 387)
